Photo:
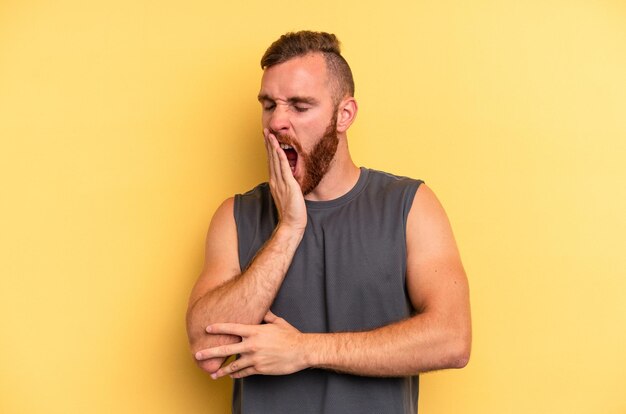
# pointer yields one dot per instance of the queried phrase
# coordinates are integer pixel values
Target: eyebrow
(292, 100)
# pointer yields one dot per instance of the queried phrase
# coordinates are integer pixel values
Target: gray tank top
(348, 274)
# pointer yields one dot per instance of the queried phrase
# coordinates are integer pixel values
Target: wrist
(289, 230)
(313, 350)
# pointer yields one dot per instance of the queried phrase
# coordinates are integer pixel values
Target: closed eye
(302, 103)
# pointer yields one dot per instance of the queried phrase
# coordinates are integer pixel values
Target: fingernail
(198, 355)
(208, 329)
(214, 375)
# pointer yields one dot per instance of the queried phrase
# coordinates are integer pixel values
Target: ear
(346, 113)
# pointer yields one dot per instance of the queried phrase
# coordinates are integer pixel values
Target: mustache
(289, 140)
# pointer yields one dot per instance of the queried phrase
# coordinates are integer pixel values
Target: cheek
(265, 120)
(312, 129)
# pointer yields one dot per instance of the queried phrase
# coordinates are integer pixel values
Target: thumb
(270, 317)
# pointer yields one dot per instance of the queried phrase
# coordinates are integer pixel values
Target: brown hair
(295, 44)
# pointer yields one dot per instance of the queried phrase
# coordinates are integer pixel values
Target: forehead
(299, 76)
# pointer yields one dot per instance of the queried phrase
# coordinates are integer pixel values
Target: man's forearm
(425, 342)
(246, 297)
(419, 344)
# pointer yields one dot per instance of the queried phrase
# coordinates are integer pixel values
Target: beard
(317, 161)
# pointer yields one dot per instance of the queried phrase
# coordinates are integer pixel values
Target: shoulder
(384, 177)
(254, 203)
(256, 191)
(428, 227)
(426, 203)
(391, 189)
(385, 181)
(256, 196)
(229, 213)
(223, 220)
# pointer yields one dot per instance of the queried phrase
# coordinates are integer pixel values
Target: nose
(279, 120)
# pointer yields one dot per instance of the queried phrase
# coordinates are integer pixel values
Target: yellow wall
(124, 124)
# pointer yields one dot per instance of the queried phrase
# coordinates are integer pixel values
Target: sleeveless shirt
(348, 274)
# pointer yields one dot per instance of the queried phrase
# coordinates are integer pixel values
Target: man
(335, 285)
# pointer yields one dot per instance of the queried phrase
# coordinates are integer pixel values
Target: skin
(227, 305)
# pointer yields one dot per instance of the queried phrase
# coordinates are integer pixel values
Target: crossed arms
(227, 306)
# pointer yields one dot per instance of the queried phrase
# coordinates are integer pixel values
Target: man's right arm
(225, 294)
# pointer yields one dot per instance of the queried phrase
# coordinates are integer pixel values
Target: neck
(341, 177)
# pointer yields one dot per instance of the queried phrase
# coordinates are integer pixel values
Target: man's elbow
(199, 343)
(210, 365)
(459, 352)
(461, 358)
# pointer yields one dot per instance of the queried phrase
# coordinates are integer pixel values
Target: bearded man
(334, 285)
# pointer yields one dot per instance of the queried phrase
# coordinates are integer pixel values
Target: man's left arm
(438, 336)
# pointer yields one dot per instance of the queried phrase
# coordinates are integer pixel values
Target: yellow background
(123, 124)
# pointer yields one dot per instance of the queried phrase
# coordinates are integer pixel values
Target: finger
(237, 329)
(272, 160)
(277, 152)
(285, 168)
(267, 147)
(236, 365)
(221, 351)
(277, 320)
(282, 163)
(244, 373)
(284, 180)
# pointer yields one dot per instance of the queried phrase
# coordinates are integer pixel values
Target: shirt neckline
(354, 191)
